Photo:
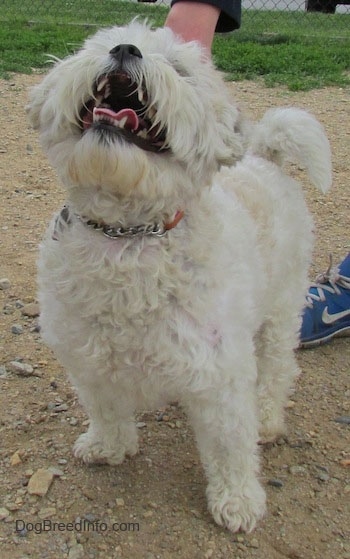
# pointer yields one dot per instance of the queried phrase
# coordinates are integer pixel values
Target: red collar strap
(178, 217)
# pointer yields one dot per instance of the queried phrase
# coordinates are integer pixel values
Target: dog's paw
(93, 451)
(272, 424)
(271, 430)
(238, 511)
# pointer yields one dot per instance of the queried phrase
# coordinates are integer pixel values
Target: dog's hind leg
(225, 423)
(112, 432)
(277, 370)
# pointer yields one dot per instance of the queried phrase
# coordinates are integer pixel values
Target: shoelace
(333, 278)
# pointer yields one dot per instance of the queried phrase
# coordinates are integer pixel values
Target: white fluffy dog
(178, 268)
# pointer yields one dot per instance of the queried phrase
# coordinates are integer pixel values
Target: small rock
(21, 369)
(238, 538)
(46, 512)
(322, 468)
(13, 507)
(295, 470)
(322, 476)
(15, 459)
(90, 517)
(274, 482)
(56, 471)
(55, 407)
(4, 513)
(120, 502)
(40, 482)
(22, 533)
(153, 505)
(17, 329)
(3, 371)
(5, 284)
(76, 552)
(345, 419)
(32, 310)
(141, 424)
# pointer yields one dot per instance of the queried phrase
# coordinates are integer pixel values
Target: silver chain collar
(151, 230)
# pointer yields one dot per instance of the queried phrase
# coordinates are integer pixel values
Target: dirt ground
(153, 506)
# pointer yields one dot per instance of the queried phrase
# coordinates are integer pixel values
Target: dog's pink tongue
(131, 122)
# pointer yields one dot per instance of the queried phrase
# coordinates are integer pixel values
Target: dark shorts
(230, 17)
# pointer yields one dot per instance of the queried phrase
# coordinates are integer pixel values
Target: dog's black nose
(124, 52)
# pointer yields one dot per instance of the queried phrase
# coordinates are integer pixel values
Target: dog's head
(134, 106)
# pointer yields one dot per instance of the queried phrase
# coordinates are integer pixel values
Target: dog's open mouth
(120, 107)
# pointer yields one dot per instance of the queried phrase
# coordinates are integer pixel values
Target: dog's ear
(38, 96)
(33, 108)
(41, 93)
(234, 131)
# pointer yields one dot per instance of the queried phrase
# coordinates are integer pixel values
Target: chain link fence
(319, 6)
(309, 13)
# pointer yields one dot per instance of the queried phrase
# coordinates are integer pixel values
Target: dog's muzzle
(121, 107)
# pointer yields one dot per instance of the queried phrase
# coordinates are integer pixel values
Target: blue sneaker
(327, 310)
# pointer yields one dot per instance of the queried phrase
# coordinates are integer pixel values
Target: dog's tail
(295, 135)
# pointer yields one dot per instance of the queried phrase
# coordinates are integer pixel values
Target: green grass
(300, 63)
(300, 50)
(296, 49)
(28, 36)
(94, 12)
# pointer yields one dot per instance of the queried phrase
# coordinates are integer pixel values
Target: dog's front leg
(112, 432)
(226, 428)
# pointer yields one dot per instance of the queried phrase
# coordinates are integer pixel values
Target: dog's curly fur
(209, 313)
